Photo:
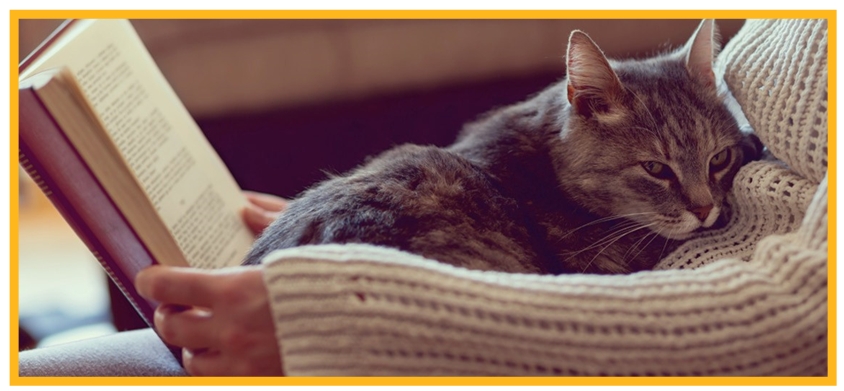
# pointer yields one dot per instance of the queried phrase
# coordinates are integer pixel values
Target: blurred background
(285, 101)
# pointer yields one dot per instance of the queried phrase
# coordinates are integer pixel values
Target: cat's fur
(556, 184)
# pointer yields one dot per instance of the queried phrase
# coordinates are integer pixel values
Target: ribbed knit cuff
(359, 310)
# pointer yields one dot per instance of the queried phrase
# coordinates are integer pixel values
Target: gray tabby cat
(603, 172)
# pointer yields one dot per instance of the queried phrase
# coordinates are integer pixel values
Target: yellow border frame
(17, 15)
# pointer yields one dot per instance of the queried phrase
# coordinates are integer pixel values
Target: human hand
(262, 210)
(221, 318)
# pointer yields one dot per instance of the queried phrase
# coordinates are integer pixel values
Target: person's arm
(357, 310)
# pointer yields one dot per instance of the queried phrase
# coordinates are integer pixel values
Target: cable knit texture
(749, 299)
(777, 70)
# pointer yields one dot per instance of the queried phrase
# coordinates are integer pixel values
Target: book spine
(50, 160)
(33, 174)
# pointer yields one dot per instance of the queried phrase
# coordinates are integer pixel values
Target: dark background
(286, 151)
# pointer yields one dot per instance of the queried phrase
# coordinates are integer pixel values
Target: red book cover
(51, 160)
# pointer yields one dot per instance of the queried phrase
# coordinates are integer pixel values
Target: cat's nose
(701, 212)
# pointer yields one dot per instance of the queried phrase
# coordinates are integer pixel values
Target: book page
(188, 184)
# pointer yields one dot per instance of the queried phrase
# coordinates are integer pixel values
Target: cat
(603, 172)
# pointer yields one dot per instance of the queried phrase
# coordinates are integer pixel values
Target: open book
(108, 141)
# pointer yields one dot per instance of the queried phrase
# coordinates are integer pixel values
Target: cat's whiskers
(617, 238)
(623, 226)
(610, 236)
(603, 220)
(655, 234)
(665, 245)
(634, 247)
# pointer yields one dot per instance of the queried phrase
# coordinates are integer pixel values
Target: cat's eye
(658, 170)
(719, 161)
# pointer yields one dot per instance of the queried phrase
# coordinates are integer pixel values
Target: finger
(190, 358)
(257, 219)
(266, 201)
(188, 328)
(177, 285)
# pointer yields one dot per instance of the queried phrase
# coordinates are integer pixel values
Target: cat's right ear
(593, 87)
(701, 51)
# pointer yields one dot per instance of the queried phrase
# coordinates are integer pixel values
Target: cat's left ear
(701, 50)
(593, 87)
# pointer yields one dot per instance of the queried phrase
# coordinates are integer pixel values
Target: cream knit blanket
(750, 299)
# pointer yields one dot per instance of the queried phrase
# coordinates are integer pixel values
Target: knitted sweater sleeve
(748, 300)
(361, 310)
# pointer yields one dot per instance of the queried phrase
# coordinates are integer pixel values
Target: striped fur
(555, 184)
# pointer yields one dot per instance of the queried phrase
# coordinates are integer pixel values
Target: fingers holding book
(221, 318)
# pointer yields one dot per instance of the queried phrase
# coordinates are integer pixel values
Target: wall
(219, 67)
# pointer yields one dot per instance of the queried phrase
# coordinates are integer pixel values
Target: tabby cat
(603, 172)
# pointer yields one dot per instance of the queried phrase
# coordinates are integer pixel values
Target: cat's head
(651, 139)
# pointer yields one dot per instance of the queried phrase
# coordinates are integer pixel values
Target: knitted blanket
(749, 299)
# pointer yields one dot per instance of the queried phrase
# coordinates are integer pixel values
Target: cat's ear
(701, 50)
(593, 87)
